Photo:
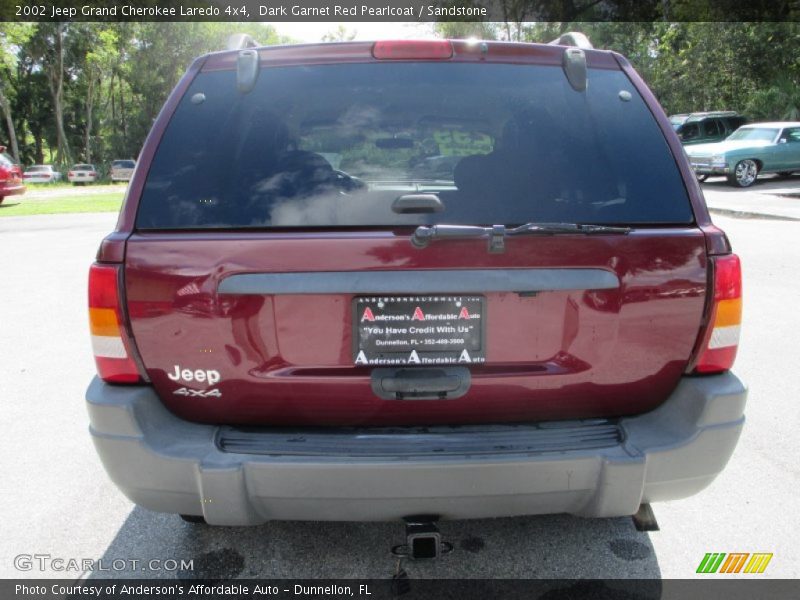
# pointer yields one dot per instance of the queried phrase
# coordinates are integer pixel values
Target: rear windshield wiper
(424, 234)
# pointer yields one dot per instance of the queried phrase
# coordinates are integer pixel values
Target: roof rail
(573, 38)
(238, 41)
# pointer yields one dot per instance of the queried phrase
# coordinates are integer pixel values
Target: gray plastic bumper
(170, 465)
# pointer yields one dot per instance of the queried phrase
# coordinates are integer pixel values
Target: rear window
(123, 164)
(39, 169)
(6, 160)
(83, 168)
(335, 145)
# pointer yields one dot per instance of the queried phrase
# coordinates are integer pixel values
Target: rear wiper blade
(425, 234)
(554, 228)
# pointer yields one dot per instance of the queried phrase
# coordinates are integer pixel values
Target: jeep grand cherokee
(362, 281)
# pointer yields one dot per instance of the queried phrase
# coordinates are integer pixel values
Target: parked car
(82, 174)
(122, 170)
(708, 127)
(546, 327)
(41, 174)
(750, 151)
(11, 182)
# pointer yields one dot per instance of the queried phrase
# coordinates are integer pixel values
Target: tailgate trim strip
(460, 281)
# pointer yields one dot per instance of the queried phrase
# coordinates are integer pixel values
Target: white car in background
(83, 173)
(41, 174)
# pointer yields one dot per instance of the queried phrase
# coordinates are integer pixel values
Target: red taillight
(412, 50)
(92, 174)
(110, 342)
(70, 174)
(721, 338)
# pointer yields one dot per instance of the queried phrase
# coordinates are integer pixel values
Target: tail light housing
(721, 339)
(110, 342)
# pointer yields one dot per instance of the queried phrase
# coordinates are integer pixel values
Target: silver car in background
(82, 173)
(41, 174)
(122, 170)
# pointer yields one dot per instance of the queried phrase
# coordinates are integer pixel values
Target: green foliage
(115, 77)
(781, 100)
(462, 30)
(753, 68)
(340, 34)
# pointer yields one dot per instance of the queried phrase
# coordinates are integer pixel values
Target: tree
(12, 35)
(340, 34)
(100, 44)
(48, 48)
(462, 30)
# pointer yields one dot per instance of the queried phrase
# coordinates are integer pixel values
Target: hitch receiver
(645, 519)
(423, 540)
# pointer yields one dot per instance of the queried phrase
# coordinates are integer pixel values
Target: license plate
(419, 330)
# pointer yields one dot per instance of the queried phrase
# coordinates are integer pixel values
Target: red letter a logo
(418, 315)
(367, 316)
(464, 314)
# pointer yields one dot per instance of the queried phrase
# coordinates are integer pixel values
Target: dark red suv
(364, 281)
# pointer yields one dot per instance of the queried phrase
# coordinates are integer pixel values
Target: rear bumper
(11, 189)
(170, 465)
(711, 169)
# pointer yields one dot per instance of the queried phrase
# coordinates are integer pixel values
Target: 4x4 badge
(215, 393)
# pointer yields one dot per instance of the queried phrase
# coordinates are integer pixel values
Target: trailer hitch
(423, 540)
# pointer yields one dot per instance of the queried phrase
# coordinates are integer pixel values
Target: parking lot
(58, 501)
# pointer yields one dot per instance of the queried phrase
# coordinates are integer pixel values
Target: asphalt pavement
(769, 197)
(58, 501)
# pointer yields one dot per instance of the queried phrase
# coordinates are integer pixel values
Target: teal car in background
(748, 152)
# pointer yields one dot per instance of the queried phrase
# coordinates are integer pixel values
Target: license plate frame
(419, 330)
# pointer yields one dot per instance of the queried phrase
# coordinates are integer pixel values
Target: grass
(16, 206)
(63, 183)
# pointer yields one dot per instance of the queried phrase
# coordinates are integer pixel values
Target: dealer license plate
(419, 330)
